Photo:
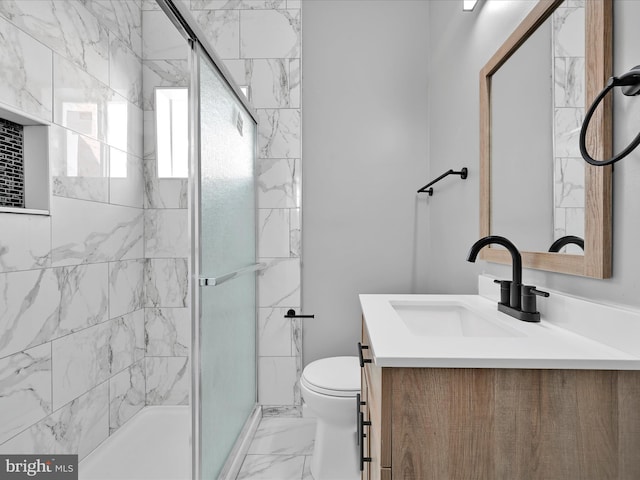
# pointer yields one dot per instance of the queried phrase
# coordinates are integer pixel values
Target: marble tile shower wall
(166, 230)
(259, 41)
(94, 320)
(72, 284)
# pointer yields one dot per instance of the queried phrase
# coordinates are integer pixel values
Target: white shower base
(155, 444)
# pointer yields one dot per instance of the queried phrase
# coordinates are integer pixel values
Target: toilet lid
(337, 376)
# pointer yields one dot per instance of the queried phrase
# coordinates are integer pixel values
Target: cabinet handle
(362, 423)
(361, 356)
(359, 403)
(358, 413)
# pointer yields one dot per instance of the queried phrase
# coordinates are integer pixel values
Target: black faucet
(516, 263)
(511, 292)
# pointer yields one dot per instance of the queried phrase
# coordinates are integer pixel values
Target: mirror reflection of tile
(568, 45)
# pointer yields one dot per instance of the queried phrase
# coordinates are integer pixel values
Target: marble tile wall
(72, 303)
(94, 313)
(569, 106)
(167, 316)
(259, 42)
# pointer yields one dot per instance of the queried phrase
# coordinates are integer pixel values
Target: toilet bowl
(329, 387)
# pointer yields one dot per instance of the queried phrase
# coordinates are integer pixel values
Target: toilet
(329, 387)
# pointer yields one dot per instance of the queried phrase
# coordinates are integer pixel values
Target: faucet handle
(505, 291)
(529, 293)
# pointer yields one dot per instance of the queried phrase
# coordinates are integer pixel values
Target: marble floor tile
(272, 467)
(281, 449)
(284, 436)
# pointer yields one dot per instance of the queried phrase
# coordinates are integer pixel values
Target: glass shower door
(226, 387)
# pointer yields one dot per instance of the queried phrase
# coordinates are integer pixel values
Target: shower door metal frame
(197, 281)
(181, 17)
(199, 46)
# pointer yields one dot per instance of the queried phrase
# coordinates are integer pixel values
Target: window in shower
(172, 132)
(246, 91)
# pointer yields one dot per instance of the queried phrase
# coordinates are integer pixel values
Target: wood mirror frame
(596, 261)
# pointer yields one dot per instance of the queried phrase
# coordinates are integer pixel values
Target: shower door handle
(215, 281)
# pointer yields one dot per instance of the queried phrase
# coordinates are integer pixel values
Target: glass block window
(11, 164)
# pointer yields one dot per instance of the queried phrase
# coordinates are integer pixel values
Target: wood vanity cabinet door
(377, 472)
(377, 381)
(366, 470)
(364, 396)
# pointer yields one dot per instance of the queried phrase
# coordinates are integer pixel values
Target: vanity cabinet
(468, 423)
(376, 436)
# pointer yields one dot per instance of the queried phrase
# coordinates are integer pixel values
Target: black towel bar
(426, 189)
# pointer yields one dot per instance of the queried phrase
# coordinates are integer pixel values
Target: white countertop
(543, 345)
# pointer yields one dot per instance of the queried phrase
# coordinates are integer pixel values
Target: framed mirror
(534, 185)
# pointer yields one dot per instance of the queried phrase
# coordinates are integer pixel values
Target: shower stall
(128, 319)
(224, 264)
(223, 261)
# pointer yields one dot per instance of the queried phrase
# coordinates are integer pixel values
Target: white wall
(365, 155)
(461, 43)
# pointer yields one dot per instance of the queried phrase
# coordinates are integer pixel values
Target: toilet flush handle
(291, 313)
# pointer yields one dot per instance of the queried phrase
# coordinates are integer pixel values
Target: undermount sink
(468, 331)
(448, 319)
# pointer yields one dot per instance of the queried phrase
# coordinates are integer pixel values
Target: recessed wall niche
(24, 164)
(11, 164)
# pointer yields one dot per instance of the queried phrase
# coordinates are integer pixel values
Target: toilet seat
(335, 376)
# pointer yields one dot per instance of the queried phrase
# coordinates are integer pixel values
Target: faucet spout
(566, 240)
(516, 263)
